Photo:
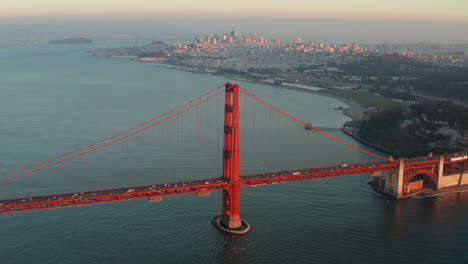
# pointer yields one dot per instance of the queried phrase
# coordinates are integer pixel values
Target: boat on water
(307, 126)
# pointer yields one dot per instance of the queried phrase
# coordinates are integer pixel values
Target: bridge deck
(200, 186)
(185, 187)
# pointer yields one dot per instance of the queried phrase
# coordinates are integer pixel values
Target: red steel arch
(431, 175)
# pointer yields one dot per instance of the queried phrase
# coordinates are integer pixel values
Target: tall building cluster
(231, 38)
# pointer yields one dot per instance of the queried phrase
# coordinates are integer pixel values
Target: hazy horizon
(369, 21)
(433, 10)
(178, 29)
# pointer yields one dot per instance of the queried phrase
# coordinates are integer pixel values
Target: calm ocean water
(54, 99)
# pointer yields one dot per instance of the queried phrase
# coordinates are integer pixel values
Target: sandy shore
(355, 110)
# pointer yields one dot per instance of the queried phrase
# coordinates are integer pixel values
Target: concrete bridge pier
(394, 181)
(450, 180)
(440, 173)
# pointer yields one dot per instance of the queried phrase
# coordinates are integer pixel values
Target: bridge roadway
(153, 192)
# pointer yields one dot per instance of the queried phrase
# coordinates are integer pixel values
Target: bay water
(56, 98)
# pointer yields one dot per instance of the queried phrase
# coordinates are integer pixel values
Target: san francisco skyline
(334, 21)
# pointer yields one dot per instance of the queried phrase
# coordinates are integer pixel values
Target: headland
(382, 87)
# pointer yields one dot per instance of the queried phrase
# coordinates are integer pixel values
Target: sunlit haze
(332, 20)
(368, 9)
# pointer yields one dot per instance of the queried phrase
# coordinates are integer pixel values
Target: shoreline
(356, 111)
(353, 109)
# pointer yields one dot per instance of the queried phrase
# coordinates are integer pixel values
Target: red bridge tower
(229, 219)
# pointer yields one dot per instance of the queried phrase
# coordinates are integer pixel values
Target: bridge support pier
(394, 181)
(440, 173)
(451, 178)
(229, 219)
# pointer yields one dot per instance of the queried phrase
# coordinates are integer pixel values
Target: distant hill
(388, 65)
(445, 84)
(72, 41)
(382, 130)
(392, 59)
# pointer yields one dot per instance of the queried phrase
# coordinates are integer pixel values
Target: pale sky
(375, 21)
(432, 10)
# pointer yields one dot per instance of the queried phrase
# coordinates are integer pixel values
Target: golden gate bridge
(133, 158)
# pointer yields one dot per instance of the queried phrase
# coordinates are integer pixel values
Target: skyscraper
(234, 33)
